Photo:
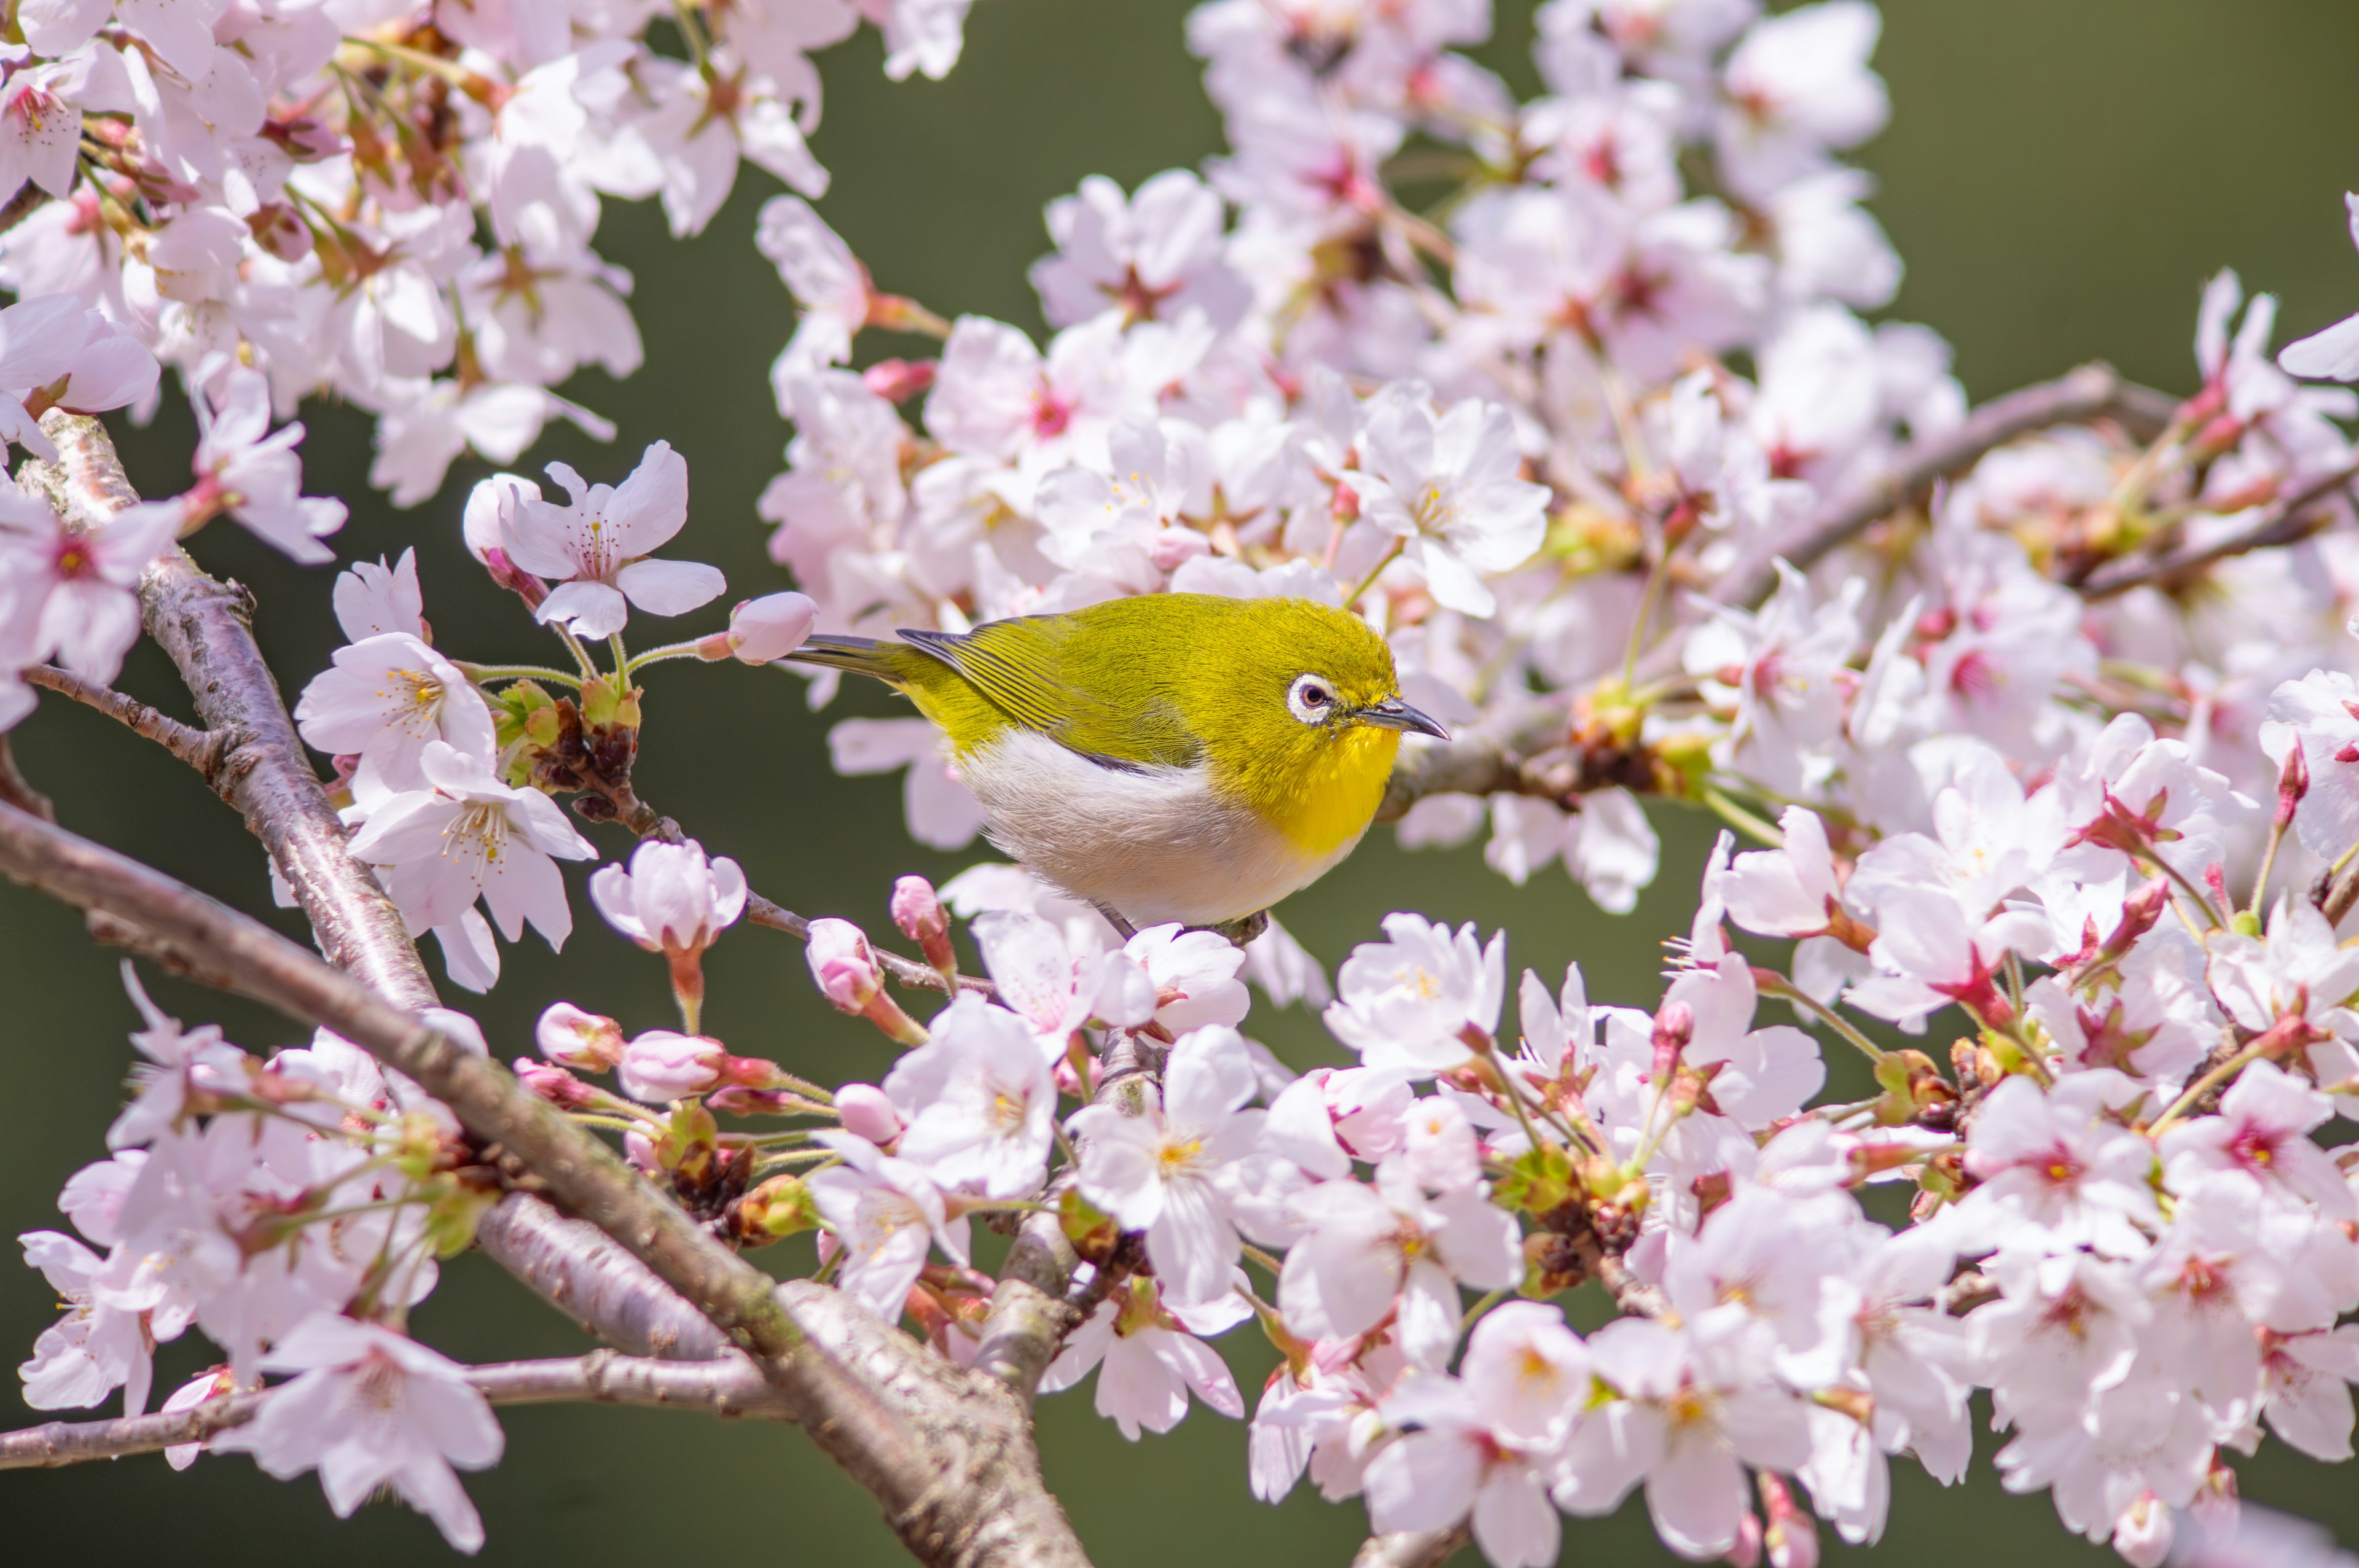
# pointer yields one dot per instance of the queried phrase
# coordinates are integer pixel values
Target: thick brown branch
(2092, 392)
(201, 749)
(728, 1388)
(1411, 1548)
(2283, 522)
(956, 1474)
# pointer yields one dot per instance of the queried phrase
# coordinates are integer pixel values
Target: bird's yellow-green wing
(1100, 686)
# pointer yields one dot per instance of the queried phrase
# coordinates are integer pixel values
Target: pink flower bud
(770, 627)
(2293, 783)
(555, 1085)
(918, 912)
(640, 1150)
(867, 1111)
(663, 1064)
(844, 965)
(898, 381)
(1674, 1027)
(572, 1038)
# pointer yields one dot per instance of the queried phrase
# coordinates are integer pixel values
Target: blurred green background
(2060, 177)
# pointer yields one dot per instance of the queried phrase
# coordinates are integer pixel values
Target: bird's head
(1302, 716)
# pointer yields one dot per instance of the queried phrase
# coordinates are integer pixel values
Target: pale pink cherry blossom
(539, 311)
(2143, 1534)
(2263, 1130)
(2136, 1437)
(1448, 488)
(423, 427)
(1784, 670)
(977, 1102)
(69, 595)
(368, 1408)
(386, 700)
(467, 836)
(997, 397)
(1056, 985)
(1439, 1146)
(391, 320)
(1154, 254)
(2331, 354)
(1120, 526)
(1328, 1118)
(885, 1214)
(40, 123)
(1929, 953)
(841, 494)
(1988, 840)
(868, 1111)
(1150, 1355)
(186, 1064)
(1761, 1259)
(1799, 86)
(93, 1196)
(2320, 713)
(1161, 1171)
(252, 473)
(2296, 977)
(829, 285)
(1759, 1075)
(69, 357)
(1389, 1249)
(93, 1349)
(1689, 1415)
(923, 36)
(673, 900)
(2146, 1029)
(1412, 1001)
(211, 1384)
(1915, 1358)
(704, 121)
(1830, 246)
(598, 549)
(372, 598)
(1457, 1463)
(1680, 288)
(940, 811)
(571, 1037)
(1560, 1033)
(1194, 974)
(2050, 1159)
(1797, 891)
(2309, 1391)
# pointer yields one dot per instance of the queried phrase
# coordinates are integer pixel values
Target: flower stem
(1776, 984)
(483, 673)
(1374, 572)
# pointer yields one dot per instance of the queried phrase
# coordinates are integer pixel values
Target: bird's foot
(1242, 930)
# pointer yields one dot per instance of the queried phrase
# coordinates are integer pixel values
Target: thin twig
(201, 749)
(2091, 391)
(17, 790)
(2283, 522)
(732, 1387)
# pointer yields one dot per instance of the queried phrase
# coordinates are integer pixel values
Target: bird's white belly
(1154, 845)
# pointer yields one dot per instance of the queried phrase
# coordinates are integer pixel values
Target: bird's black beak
(1392, 713)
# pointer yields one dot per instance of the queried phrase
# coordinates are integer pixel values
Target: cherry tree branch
(1411, 1548)
(949, 1455)
(729, 1388)
(2091, 391)
(2283, 521)
(198, 748)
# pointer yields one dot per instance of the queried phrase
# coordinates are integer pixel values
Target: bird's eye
(1310, 699)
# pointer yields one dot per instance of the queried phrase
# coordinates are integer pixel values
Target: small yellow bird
(1177, 756)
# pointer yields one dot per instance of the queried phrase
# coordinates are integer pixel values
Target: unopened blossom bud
(663, 1064)
(1787, 1536)
(2293, 783)
(572, 1038)
(640, 1150)
(898, 381)
(867, 1111)
(1674, 1027)
(769, 628)
(1746, 1553)
(846, 966)
(553, 1084)
(919, 914)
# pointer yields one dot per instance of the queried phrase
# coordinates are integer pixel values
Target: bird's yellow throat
(1327, 803)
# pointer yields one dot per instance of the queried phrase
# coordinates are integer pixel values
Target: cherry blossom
(598, 548)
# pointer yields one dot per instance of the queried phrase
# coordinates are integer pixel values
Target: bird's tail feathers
(862, 655)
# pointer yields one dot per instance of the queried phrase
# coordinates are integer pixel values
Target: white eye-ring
(1310, 699)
